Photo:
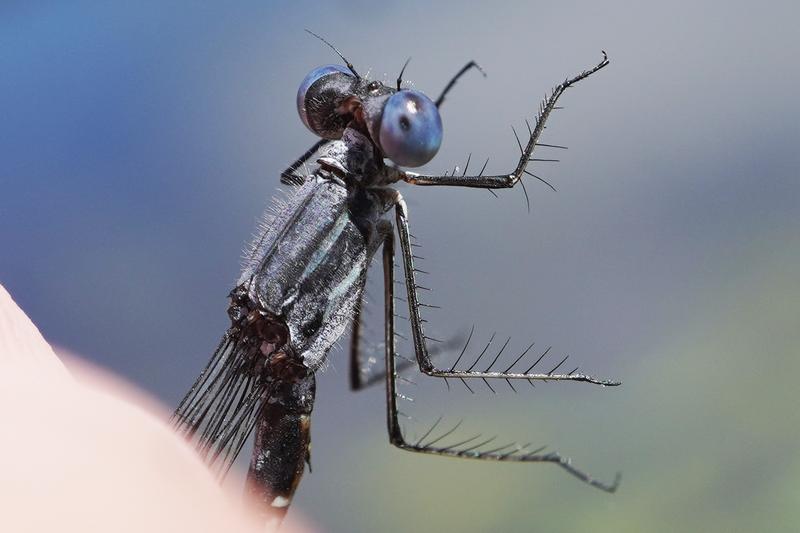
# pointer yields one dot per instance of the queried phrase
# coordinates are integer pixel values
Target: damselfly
(304, 276)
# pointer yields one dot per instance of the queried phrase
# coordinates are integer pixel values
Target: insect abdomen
(282, 445)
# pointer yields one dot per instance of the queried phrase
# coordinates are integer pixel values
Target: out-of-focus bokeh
(140, 142)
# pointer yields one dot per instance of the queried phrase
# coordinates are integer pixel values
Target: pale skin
(81, 451)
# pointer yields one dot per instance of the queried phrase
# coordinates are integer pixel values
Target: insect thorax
(308, 268)
(351, 157)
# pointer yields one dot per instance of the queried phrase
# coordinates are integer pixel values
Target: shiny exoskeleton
(303, 279)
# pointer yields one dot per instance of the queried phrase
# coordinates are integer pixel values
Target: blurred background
(140, 142)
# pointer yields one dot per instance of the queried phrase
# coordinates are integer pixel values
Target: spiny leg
(418, 333)
(288, 176)
(360, 376)
(356, 370)
(509, 180)
(470, 448)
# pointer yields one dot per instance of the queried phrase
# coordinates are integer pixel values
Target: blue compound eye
(314, 76)
(411, 129)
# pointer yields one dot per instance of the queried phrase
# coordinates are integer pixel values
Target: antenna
(346, 62)
(400, 76)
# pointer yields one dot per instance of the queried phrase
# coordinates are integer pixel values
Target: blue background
(139, 143)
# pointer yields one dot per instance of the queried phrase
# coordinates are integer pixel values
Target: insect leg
(509, 180)
(288, 176)
(418, 333)
(357, 372)
(360, 378)
(282, 446)
(471, 448)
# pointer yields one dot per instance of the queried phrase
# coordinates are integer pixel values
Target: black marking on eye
(405, 124)
(374, 85)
